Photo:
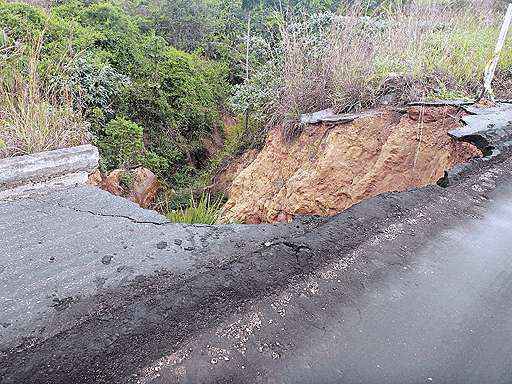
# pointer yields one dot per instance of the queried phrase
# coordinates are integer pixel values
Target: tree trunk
(247, 50)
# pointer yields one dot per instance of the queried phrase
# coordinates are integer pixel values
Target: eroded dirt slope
(328, 168)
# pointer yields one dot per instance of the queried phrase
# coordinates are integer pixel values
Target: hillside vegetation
(151, 82)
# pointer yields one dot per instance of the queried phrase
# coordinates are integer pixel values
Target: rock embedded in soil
(331, 167)
(142, 188)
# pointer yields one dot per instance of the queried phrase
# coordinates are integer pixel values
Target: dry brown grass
(430, 49)
(34, 117)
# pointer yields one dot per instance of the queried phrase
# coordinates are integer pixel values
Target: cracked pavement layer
(96, 290)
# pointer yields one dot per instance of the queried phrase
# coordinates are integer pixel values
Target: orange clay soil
(328, 168)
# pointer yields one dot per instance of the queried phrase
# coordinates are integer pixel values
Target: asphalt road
(443, 315)
(414, 287)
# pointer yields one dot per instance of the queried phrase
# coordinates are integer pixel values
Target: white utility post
(490, 69)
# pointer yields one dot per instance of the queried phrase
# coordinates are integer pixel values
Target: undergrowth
(204, 210)
(353, 61)
(34, 116)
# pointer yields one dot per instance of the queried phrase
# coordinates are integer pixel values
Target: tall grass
(202, 211)
(34, 116)
(427, 49)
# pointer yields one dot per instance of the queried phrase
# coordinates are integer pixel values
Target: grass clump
(204, 210)
(34, 116)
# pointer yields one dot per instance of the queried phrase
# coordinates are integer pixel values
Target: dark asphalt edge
(389, 251)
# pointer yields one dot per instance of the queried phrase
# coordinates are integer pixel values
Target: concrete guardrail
(22, 175)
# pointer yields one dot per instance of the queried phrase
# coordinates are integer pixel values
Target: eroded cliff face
(328, 168)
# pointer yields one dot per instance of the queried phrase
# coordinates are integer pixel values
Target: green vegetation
(353, 62)
(127, 81)
(33, 116)
(122, 144)
(202, 211)
(150, 82)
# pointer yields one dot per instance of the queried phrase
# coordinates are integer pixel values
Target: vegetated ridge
(182, 88)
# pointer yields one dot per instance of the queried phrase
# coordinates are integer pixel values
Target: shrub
(95, 87)
(122, 145)
(202, 211)
(118, 39)
(22, 21)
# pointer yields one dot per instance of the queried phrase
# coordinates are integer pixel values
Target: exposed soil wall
(223, 180)
(328, 168)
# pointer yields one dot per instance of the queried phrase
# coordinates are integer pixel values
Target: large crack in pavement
(133, 220)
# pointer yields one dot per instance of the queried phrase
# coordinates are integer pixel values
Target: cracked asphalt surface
(410, 287)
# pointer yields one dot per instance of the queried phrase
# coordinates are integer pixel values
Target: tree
(248, 6)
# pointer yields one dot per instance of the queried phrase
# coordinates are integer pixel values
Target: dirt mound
(328, 168)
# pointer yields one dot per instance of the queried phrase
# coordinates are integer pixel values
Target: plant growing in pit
(204, 210)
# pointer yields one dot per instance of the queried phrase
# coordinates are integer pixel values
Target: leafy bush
(22, 21)
(95, 86)
(122, 145)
